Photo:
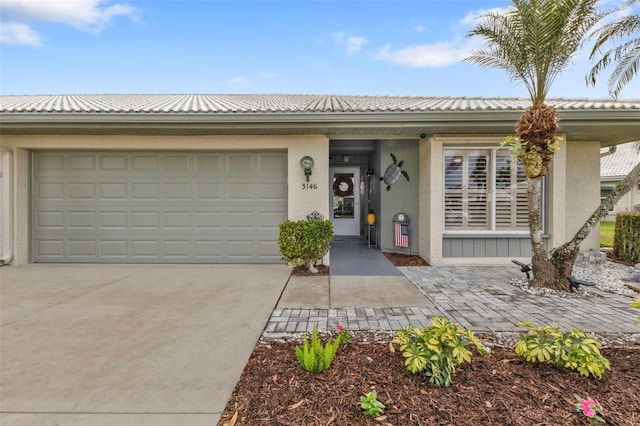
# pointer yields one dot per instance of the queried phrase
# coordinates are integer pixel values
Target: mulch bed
(500, 389)
(303, 271)
(405, 259)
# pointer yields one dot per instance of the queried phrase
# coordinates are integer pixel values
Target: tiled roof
(282, 104)
(620, 163)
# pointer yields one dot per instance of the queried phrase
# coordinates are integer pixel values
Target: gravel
(607, 276)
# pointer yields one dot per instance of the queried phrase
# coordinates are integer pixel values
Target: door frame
(341, 227)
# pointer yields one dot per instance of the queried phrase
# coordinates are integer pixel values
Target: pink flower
(339, 329)
(587, 407)
(588, 411)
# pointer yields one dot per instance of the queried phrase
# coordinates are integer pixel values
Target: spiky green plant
(313, 356)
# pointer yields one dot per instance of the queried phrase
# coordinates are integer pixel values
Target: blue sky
(361, 47)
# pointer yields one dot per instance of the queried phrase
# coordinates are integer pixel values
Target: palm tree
(626, 55)
(534, 41)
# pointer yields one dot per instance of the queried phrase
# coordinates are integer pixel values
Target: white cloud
(419, 28)
(441, 53)
(354, 44)
(425, 56)
(19, 16)
(349, 43)
(13, 33)
(470, 18)
(89, 15)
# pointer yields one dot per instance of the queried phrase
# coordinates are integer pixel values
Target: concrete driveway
(128, 344)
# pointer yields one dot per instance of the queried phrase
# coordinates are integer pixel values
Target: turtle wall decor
(393, 172)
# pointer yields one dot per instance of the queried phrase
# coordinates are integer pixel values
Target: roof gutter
(611, 149)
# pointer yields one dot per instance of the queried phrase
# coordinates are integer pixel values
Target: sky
(329, 47)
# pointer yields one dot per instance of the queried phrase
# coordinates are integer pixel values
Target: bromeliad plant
(315, 357)
(435, 351)
(574, 350)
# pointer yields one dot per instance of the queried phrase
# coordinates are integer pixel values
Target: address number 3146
(309, 186)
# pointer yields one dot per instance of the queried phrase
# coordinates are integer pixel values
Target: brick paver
(479, 298)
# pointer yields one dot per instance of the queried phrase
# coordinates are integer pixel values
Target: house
(208, 178)
(615, 163)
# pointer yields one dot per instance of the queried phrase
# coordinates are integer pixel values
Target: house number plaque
(309, 186)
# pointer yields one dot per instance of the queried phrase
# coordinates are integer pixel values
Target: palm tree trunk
(545, 274)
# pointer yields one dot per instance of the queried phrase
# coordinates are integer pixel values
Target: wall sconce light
(346, 158)
(306, 163)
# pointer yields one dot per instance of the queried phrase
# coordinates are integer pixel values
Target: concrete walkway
(479, 298)
(128, 344)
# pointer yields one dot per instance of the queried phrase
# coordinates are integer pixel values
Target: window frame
(492, 231)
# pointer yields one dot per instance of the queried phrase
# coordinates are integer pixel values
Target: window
(485, 190)
(605, 190)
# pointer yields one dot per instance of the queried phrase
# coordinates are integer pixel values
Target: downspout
(6, 204)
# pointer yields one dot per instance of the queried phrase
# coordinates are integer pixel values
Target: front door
(345, 200)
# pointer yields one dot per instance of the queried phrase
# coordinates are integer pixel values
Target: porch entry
(345, 200)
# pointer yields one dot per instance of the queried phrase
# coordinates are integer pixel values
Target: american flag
(401, 235)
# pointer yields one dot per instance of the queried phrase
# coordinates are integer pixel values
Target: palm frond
(535, 40)
(626, 56)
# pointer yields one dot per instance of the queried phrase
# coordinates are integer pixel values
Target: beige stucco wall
(301, 201)
(582, 170)
(430, 199)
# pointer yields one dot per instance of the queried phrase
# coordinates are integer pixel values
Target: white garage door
(158, 207)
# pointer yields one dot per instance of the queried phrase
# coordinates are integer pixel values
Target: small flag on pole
(401, 235)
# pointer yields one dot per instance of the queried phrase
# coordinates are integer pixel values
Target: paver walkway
(479, 298)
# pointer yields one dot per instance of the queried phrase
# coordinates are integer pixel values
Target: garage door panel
(113, 249)
(145, 162)
(81, 162)
(82, 248)
(158, 207)
(209, 164)
(82, 220)
(50, 190)
(50, 248)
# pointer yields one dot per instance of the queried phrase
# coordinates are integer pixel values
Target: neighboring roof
(617, 165)
(334, 116)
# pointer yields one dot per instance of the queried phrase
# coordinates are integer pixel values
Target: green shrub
(574, 350)
(435, 351)
(303, 242)
(370, 404)
(314, 357)
(626, 240)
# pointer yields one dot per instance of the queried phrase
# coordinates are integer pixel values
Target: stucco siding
(583, 190)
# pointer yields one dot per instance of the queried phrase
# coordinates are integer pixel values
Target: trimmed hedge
(626, 241)
(303, 242)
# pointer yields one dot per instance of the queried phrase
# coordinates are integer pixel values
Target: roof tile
(227, 103)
